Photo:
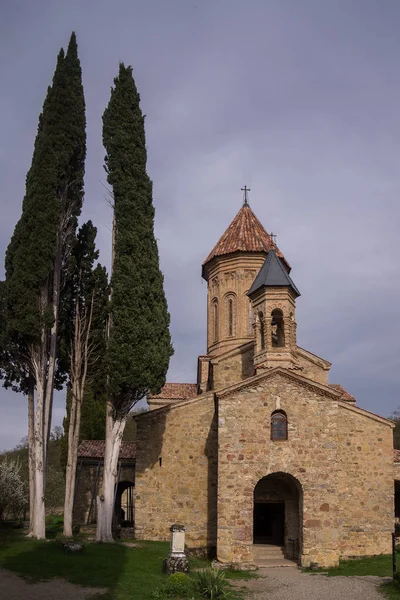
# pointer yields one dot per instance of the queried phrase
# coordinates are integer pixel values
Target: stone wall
(311, 454)
(313, 367)
(232, 367)
(176, 472)
(86, 483)
(365, 482)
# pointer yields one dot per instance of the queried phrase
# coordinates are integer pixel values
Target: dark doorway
(397, 499)
(269, 523)
(278, 513)
(124, 508)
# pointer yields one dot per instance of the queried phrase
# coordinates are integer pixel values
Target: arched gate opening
(278, 513)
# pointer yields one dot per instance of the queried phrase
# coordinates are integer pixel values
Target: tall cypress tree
(38, 252)
(139, 343)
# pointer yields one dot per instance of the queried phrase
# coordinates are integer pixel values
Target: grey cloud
(299, 100)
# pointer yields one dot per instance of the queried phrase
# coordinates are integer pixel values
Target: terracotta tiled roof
(95, 449)
(396, 456)
(177, 391)
(345, 395)
(244, 234)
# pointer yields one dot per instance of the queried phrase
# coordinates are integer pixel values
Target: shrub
(211, 583)
(13, 498)
(177, 584)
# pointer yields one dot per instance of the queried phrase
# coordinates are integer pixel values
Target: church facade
(262, 450)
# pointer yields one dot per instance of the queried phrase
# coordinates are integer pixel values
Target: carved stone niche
(214, 282)
(230, 275)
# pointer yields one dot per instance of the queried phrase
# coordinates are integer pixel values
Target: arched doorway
(124, 508)
(397, 500)
(277, 515)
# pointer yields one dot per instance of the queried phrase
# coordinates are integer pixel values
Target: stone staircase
(267, 555)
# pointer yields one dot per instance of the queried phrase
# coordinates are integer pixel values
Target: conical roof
(244, 234)
(272, 274)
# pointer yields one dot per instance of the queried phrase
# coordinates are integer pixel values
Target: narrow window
(277, 333)
(215, 320)
(262, 330)
(279, 426)
(230, 317)
(250, 318)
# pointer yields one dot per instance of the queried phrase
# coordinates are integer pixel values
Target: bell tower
(273, 298)
(230, 269)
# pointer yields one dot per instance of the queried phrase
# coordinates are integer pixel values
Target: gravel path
(292, 584)
(13, 587)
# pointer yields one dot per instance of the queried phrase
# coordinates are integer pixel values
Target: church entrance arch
(277, 514)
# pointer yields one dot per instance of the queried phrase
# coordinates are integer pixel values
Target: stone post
(177, 560)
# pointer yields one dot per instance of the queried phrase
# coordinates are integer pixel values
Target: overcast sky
(297, 99)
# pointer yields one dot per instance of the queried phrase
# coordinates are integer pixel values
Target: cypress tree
(139, 344)
(38, 251)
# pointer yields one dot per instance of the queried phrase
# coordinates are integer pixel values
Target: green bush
(211, 583)
(178, 585)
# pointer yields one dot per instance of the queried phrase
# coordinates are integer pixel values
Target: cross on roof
(245, 199)
(273, 239)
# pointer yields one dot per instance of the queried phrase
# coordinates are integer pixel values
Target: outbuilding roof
(94, 449)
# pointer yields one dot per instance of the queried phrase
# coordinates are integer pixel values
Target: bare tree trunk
(39, 525)
(80, 354)
(73, 438)
(31, 452)
(52, 353)
(105, 502)
(38, 359)
(114, 432)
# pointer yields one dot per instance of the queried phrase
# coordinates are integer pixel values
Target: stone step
(267, 550)
(271, 563)
(267, 555)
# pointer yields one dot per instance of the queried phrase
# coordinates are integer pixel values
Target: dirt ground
(272, 584)
(291, 584)
(13, 587)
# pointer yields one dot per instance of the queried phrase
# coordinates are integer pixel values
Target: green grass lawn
(391, 591)
(127, 573)
(380, 566)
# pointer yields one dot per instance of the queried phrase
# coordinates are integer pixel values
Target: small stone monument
(177, 560)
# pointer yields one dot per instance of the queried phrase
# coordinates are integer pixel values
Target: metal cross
(245, 190)
(273, 239)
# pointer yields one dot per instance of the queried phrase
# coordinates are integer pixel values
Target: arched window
(215, 323)
(230, 315)
(277, 332)
(250, 317)
(279, 425)
(262, 330)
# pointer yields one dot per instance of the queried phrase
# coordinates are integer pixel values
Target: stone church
(262, 450)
